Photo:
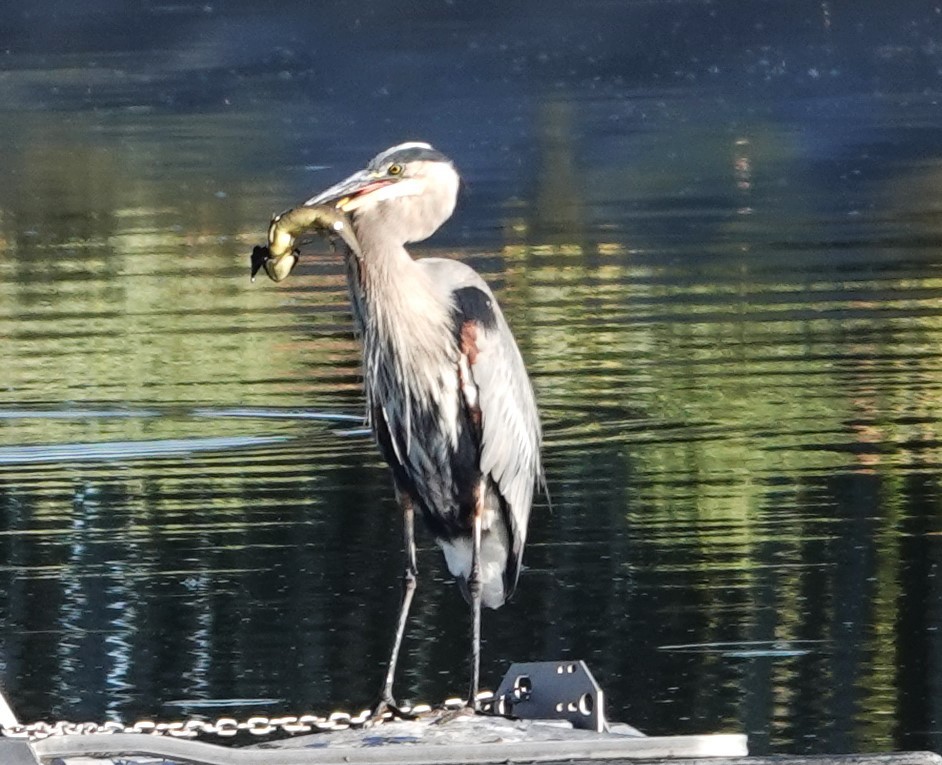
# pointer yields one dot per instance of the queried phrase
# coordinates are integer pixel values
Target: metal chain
(257, 725)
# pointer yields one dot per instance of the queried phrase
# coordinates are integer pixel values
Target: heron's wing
(500, 390)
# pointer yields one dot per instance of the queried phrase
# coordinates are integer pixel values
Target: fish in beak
(277, 268)
(281, 256)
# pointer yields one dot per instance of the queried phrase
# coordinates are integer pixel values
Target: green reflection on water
(708, 383)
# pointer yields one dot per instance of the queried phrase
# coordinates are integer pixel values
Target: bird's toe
(387, 709)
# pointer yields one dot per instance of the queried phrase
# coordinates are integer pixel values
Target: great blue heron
(448, 396)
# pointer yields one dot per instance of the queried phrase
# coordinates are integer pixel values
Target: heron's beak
(362, 187)
(341, 194)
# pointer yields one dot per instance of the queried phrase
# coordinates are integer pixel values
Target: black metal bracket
(552, 690)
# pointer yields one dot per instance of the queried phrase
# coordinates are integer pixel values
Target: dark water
(716, 231)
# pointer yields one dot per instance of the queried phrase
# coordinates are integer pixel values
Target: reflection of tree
(121, 287)
(742, 437)
(752, 402)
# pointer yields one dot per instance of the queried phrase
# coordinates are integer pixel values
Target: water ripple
(128, 450)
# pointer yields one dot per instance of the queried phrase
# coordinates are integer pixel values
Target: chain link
(227, 727)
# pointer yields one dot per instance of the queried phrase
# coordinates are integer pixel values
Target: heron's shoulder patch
(474, 304)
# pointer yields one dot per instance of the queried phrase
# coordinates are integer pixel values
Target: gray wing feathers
(511, 437)
(510, 448)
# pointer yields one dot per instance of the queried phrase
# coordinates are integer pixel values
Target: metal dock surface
(438, 738)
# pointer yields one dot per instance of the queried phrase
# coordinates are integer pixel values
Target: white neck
(404, 318)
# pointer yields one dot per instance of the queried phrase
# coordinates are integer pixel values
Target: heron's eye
(395, 169)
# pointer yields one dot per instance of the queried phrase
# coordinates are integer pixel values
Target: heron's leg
(474, 589)
(409, 583)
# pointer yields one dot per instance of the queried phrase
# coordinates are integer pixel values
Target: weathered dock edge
(573, 753)
(123, 744)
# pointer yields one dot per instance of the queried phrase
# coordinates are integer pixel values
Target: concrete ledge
(446, 740)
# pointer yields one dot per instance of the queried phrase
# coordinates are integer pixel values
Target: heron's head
(405, 193)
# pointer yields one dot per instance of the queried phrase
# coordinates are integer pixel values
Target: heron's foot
(480, 702)
(387, 709)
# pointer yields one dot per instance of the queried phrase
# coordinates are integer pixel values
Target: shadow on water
(714, 230)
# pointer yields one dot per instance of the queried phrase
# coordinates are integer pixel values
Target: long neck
(404, 319)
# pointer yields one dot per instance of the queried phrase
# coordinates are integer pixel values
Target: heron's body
(448, 396)
(434, 355)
